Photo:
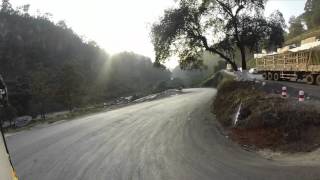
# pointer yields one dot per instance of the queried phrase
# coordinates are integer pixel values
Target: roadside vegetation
(218, 78)
(195, 77)
(304, 35)
(305, 25)
(256, 116)
(47, 67)
(228, 29)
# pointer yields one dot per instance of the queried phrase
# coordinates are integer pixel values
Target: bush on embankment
(216, 79)
(267, 120)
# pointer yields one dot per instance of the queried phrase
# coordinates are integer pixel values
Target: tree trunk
(243, 57)
(43, 113)
(70, 106)
(43, 116)
(239, 44)
(10, 122)
(234, 66)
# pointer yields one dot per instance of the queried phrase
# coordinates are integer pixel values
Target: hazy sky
(124, 25)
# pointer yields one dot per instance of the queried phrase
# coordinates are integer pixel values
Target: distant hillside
(311, 33)
(48, 67)
(193, 78)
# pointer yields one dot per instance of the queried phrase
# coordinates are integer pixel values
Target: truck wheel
(276, 76)
(270, 76)
(310, 79)
(265, 75)
(318, 79)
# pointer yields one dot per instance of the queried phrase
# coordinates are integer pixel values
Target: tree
(35, 55)
(220, 27)
(70, 90)
(295, 27)
(220, 65)
(7, 113)
(312, 13)
(6, 6)
(40, 90)
(275, 33)
(132, 73)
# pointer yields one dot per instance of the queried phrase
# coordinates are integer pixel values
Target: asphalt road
(294, 87)
(174, 138)
(312, 90)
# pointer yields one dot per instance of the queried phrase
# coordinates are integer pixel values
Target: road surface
(312, 90)
(174, 138)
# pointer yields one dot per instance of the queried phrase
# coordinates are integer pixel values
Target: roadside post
(284, 92)
(301, 96)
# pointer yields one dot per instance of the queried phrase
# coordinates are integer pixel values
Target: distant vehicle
(253, 71)
(299, 63)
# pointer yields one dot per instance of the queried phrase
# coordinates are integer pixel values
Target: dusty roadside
(255, 116)
(87, 111)
(302, 158)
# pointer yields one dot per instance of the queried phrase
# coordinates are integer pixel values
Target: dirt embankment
(258, 119)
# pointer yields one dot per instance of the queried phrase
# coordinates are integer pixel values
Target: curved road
(174, 138)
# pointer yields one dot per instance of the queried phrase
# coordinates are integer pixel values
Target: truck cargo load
(299, 63)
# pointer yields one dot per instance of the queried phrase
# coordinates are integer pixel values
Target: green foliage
(310, 18)
(40, 90)
(193, 77)
(312, 13)
(275, 33)
(7, 113)
(217, 79)
(189, 78)
(132, 73)
(70, 87)
(47, 67)
(215, 26)
(161, 86)
(27, 43)
(296, 27)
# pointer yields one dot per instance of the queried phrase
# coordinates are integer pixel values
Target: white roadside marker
(301, 96)
(284, 92)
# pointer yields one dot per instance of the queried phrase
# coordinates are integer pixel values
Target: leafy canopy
(296, 27)
(312, 13)
(47, 67)
(220, 27)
